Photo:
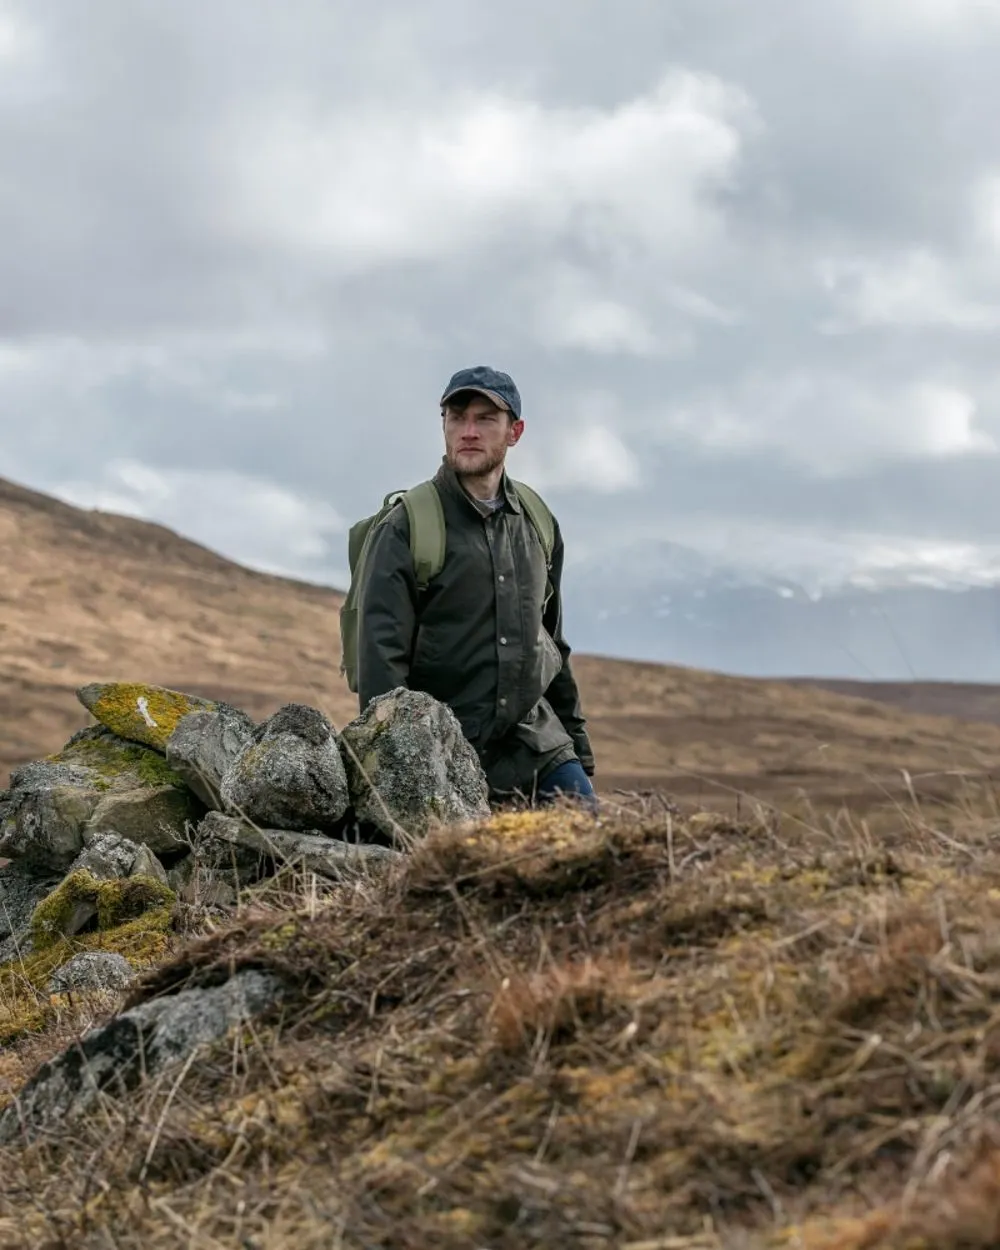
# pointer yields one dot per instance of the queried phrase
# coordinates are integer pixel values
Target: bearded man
(485, 636)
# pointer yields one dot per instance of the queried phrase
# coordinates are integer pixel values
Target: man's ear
(515, 432)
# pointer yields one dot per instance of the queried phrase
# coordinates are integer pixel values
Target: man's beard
(487, 462)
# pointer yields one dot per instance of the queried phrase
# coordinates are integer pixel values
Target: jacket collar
(448, 478)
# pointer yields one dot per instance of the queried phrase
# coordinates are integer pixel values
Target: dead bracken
(649, 1031)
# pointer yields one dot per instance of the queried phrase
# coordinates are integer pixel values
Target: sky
(743, 262)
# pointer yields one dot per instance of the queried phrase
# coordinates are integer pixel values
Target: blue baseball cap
(497, 386)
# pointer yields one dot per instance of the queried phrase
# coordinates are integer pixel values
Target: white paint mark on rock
(142, 703)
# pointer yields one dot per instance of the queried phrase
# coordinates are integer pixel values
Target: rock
(115, 1057)
(410, 767)
(315, 852)
(122, 765)
(92, 970)
(82, 898)
(139, 712)
(46, 809)
(203, 747)
(109, 855)
(157, 817)
(290, 774)
(97, 783)
(20, 893)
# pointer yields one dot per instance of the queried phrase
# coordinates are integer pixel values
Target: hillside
(88, 596)
(642, 1033)
(767, 1027)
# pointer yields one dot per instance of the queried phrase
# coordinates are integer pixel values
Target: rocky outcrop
(139, 712)
(103, 971)
(98, 783)
(410, 767)
(82, 901)
(21, 890)
(204, 746)
(290, 775)
(142, 1042)
(223, 840)
(114, 827)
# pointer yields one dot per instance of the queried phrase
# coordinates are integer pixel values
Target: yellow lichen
(116, 902)
(25, 1004)
(143, 713)
(120, 759)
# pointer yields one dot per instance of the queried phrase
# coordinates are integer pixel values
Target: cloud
(915, 289)
(248, 518)
(376, 187)
(18, 38)
(830, 424)
(585, 454)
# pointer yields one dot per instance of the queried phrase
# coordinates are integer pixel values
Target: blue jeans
(568, 779)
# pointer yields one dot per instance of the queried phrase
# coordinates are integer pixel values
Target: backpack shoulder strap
(539, 515)
(427, 531)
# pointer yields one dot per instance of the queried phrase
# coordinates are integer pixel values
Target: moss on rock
(114, 758)
(25, 1004)
(116, 902)
(140, 712)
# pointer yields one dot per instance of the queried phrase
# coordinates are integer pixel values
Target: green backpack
(427, 545)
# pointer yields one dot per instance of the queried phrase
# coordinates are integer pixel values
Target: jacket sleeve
(386, 610)
(563, 695)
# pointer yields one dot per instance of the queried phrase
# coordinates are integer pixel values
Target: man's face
(477, 438)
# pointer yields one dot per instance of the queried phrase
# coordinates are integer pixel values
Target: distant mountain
(674, 605)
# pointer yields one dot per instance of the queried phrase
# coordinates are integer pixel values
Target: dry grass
(91, 597)
(648, 1032)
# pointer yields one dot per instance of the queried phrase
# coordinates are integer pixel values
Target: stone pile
(172, 796)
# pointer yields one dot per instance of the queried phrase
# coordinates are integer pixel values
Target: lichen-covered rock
(52, 804)
(43, 817)
(410, 767)
(21, 891)
(109, 855)
(81, 899)
(156, 816)
(290, 774)
(115, 1057)
(203, 747)
(92, 970)
(120, 764)
(139, 712)
(222, 839)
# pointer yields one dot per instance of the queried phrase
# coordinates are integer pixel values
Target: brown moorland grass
(87, 596)
(649, 1031)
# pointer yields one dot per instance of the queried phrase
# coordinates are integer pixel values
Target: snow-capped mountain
(673, 604)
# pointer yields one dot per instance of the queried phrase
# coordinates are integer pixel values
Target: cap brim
(500, 402)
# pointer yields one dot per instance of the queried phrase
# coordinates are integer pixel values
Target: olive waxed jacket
(481, 638)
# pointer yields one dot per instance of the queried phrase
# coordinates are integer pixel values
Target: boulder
(20, 893)
(92, 970)
(82, 901)
(290, 774)
(139, 712)
(109, 855)
(140, 1043)
(203, 747)
(45, 811)
(97, 783)
(155, 816)
(410, 767)
(227, 838)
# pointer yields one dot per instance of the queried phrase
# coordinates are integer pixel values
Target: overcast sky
(742, 260)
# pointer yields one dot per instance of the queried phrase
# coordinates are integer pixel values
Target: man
(485, 637)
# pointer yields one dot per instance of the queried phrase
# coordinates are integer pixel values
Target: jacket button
(503, 642)
(503, 702)
(500, 578)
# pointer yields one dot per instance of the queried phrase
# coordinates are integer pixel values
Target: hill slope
(87, 596)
